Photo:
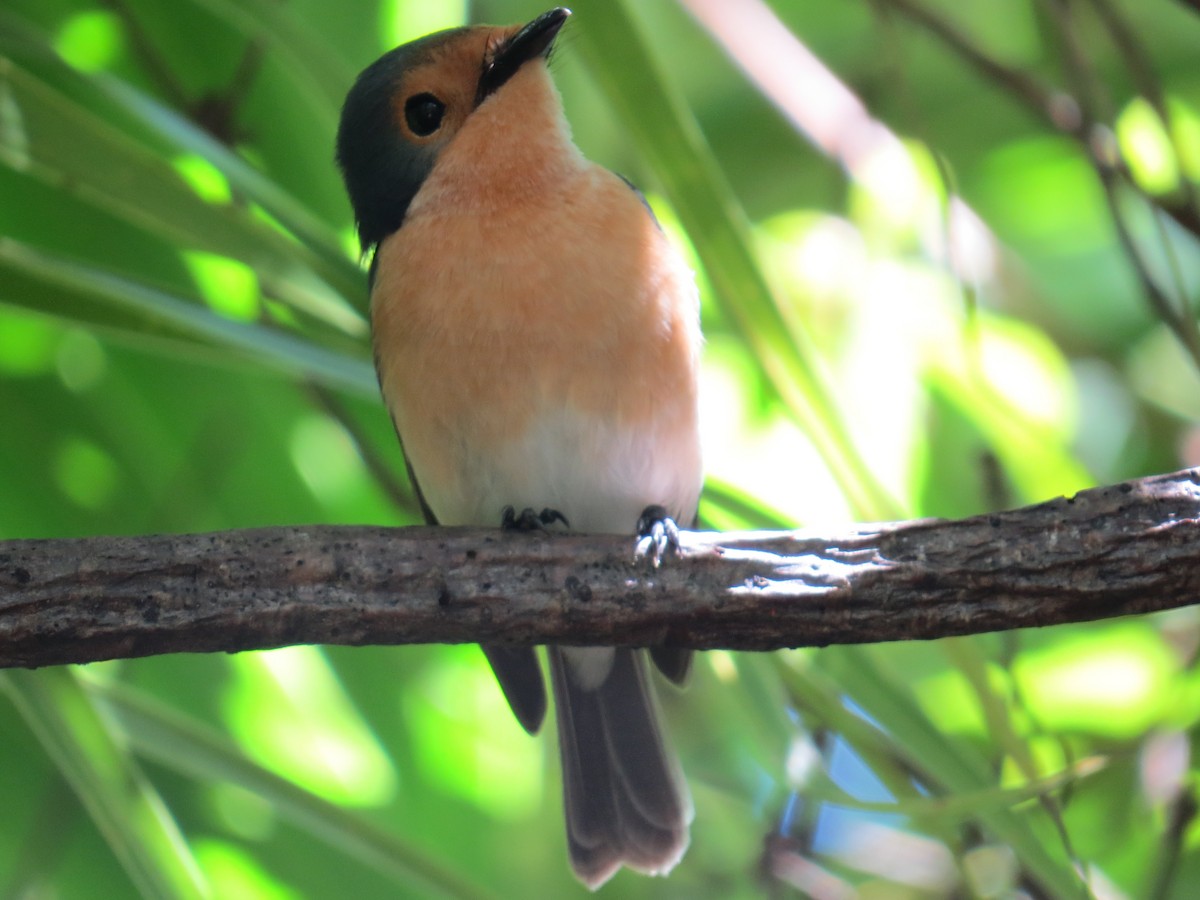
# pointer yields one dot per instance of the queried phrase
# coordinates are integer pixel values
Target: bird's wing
(516, 668)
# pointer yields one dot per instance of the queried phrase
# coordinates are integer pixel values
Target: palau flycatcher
(537, 341)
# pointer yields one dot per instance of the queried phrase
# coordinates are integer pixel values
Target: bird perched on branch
(537, 340)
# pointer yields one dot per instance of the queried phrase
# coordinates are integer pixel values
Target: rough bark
(1118, 550)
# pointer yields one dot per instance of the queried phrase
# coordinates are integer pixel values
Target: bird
(537, 342)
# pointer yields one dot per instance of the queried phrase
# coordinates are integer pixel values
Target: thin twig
(1079, 115)
(1141, 68)
(147, 51)
(1181, 813)
(1096, 111)
(1060, 108)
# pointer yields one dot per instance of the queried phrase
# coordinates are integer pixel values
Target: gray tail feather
(520, 676)
(625, 798)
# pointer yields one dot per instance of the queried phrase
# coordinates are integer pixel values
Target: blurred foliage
(992, 308)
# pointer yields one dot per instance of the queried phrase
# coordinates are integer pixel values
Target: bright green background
(182, 348)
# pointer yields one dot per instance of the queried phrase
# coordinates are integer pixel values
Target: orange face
(434, 97)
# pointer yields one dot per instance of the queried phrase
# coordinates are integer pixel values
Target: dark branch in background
(216, 111)
(1141, 68)
(1096, 109)
(148, 54)
(1129, 548)
(840, 126)
(1180, 813)
(1078, 115)
(1059, 108)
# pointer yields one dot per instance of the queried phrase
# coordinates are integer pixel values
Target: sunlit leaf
(60, 287)
(1116, 680)
(658, 120)
(58, 141)
(171, 739)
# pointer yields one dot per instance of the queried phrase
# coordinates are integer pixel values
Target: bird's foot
(529, 520)
(658, 535)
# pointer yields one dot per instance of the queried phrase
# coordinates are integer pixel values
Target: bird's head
(407, 106)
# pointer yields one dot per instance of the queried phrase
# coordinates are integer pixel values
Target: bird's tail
(625, 798)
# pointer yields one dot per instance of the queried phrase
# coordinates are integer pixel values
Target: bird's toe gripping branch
(658, 535)
(529, 520)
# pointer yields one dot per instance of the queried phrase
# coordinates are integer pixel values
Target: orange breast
(492, 316)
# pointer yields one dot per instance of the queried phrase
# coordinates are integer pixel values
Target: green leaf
(52, 137)
(56, 286)
(329, 259)
(951, 764)
(318, 73)
(92, 756)
(173, 740)
(957, 808)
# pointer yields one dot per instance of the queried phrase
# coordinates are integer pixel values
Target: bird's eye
(424, 112)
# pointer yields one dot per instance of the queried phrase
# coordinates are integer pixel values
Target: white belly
(599, 477)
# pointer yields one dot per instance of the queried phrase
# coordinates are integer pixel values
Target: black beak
(531, 42)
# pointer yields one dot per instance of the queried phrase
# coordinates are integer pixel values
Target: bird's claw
(529, 520)
(658, 535)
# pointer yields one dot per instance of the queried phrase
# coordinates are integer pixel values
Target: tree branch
(1127, 548)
